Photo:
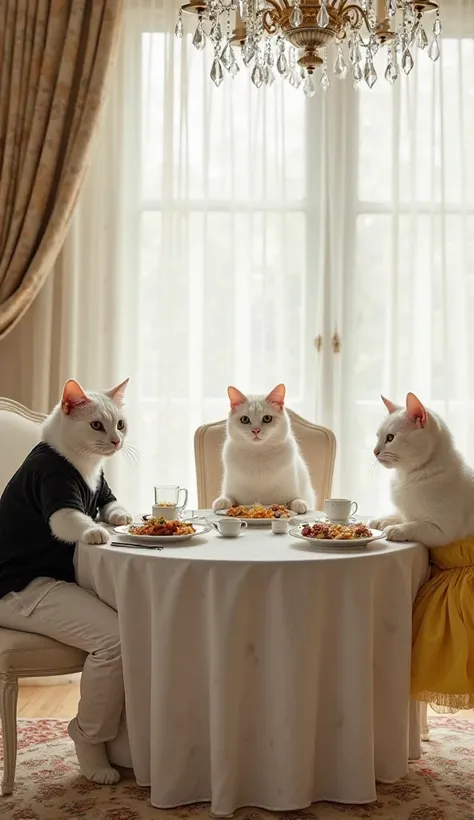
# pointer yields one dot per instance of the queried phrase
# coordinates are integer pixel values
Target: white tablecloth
(260, 673)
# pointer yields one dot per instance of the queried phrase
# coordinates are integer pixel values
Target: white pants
(77, 618)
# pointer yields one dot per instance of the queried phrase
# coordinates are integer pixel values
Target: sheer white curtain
(408, 289)
(220, 210)
(222, 231)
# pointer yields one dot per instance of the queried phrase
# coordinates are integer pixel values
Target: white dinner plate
(144, 540)
(337, 544)
(258, 522)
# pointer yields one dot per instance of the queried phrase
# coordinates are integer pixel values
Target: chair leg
(8, 710)
(424, 728)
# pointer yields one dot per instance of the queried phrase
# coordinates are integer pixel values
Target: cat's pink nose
(115, 441)
(256, 430)
(376, 451)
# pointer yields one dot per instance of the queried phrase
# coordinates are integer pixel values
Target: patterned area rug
(439, 787)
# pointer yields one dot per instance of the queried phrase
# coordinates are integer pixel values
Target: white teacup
(280, 526)
(229, 527)
(340, 510)
(168, 512)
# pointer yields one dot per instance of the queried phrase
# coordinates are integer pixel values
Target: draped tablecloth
(261, 673)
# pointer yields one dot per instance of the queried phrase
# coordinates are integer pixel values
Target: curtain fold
(54, 62)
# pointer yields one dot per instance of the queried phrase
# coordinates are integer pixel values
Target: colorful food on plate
(324, 530)
(160, 526)
(259, 511)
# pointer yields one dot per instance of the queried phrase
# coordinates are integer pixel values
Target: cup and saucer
(229, 527)
(340, 510)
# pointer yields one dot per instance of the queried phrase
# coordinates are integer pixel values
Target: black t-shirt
(45, 483)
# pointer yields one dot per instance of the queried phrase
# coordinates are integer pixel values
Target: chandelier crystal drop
(294, 39)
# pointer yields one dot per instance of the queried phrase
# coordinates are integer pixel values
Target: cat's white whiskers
(130, 448)
(131, 454)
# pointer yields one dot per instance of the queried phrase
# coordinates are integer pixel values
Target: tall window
(259, 222)
(410, 288)
(226, 243)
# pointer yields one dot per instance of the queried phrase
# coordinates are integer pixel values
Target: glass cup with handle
(170, 501)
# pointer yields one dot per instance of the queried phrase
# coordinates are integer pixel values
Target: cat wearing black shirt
(60, 492)
(87, 428)
(60, 496)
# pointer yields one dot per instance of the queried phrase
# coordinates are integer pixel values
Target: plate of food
(161, 531)
(326, 535)
(257, 515)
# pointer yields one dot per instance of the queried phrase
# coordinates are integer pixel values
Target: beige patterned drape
(54, 60)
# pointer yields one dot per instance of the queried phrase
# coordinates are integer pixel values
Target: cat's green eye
(97, 425)
(120, 425)
(245, 420)
(267, 419)
(390, 437)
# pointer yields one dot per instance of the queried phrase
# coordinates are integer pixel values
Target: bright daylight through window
(266, 220)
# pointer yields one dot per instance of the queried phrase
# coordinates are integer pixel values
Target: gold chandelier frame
(309, 38)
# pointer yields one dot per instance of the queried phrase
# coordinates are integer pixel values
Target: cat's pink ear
(391, 407)
(416, 410)
(277, 396)
(73, 396)
(235, 397)
(117, 393)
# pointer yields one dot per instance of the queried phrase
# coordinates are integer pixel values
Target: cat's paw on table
(396, 532)
(95, 535)
(382, 523)
(299, 506)
(222, 503)
(118, 518)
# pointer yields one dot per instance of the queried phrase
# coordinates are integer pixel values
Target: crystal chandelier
(297, 38)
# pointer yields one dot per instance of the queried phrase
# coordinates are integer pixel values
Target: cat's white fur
(266, 466)
(68, 431)
(433, 488)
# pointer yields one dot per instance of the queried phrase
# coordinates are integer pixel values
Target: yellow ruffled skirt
(443, 629)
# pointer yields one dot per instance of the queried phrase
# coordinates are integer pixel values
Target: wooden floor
(48, 701)
(61, 702)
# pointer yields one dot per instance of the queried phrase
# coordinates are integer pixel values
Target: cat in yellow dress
(433, 493)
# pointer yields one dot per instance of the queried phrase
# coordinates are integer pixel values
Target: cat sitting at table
(52, 502)
(433, 488)
(86, 429)
(261, 457)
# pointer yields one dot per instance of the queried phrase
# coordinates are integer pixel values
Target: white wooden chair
(22, 654)
(318, 445)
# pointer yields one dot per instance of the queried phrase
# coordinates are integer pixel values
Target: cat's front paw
(95, 535)
(396, 532)
(221, 503)
(381, 523)
(119, 517)
(299, 506)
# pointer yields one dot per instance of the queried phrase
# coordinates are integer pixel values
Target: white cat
(87, 428)
(433, 489)
(261, 458)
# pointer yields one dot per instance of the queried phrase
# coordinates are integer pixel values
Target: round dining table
(260, 671)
